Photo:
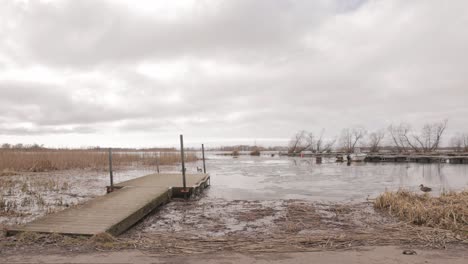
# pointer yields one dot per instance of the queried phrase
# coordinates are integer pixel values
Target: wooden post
(203, 155)
(183, 160)
(157, 161)
(111, 189)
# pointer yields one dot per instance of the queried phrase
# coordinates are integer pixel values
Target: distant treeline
(37, 147)
(250, 148)
(401, 138)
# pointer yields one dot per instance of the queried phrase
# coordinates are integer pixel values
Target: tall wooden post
(203, 155)
(157, 161)
(183, 160)
(111, 189)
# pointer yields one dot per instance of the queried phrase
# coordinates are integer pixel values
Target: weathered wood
(115, 212)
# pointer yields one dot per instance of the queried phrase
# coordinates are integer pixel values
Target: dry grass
(301, 226)
(12, 161)
(449, 211)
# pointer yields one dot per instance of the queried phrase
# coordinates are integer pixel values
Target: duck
(424, 188)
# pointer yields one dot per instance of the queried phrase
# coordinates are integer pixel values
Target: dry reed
(448, 211)
(40, 161)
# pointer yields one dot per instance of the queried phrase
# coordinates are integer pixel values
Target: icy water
(267, 178)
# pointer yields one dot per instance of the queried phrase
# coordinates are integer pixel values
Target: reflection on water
(269, 177)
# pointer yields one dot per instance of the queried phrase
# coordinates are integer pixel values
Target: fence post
(111, 189)
(183, 160)
(203, 155)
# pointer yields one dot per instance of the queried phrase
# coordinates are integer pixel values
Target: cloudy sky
(139, 73)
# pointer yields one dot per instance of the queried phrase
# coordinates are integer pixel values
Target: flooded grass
(29, 195)
(447, 211)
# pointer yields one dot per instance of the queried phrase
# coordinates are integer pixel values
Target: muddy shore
(205, 225)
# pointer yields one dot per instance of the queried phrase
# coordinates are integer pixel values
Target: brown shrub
(449, 211)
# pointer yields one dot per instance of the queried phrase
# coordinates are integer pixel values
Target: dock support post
(111, 189)
(183, 160)
(157, 161)
(203, 155)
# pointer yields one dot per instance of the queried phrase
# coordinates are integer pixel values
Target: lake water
(266, 178)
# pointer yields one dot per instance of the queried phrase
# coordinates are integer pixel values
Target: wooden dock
(117, 211)
(417, 158)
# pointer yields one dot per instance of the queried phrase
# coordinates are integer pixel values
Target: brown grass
(449, 211)
(40, 161)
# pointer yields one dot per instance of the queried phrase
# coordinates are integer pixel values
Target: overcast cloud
(138, 73)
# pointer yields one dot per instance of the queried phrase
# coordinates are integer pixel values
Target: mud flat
(215, 225)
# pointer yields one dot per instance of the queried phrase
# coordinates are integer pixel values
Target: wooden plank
(117, 211)
(164, 180)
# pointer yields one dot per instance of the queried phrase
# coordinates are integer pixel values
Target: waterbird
(424, 188)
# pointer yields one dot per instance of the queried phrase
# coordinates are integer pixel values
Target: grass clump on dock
(448, 211)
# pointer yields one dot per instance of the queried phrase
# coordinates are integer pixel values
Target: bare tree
(459, 142)
(301, 141)
(456, 142)
(321, 145)
(429, 139)
(399, 136)
(18, 146)
(350, 137)
(6, 146)
(465, 142)
(375, 139)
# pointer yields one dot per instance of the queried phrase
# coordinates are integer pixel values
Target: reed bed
(40, 161)
(448, 211)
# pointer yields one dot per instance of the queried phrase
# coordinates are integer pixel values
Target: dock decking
(117, 211)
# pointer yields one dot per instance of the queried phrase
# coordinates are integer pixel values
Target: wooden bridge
(117, 211)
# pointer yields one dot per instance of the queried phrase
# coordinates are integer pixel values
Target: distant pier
(417, 158)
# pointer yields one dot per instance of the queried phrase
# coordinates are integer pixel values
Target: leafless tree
(459, 142)
(375, 139)
(304, 140)
(429, 139)
(18, 146)
(456, 142)
(6, 146)
(321, 145)
(350, 137)
(465, 142)
(301, 141)
(399, 135)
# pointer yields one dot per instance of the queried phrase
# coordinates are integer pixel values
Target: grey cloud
(85, 33)
(44, 104)
(24, 131)
(296, 65)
